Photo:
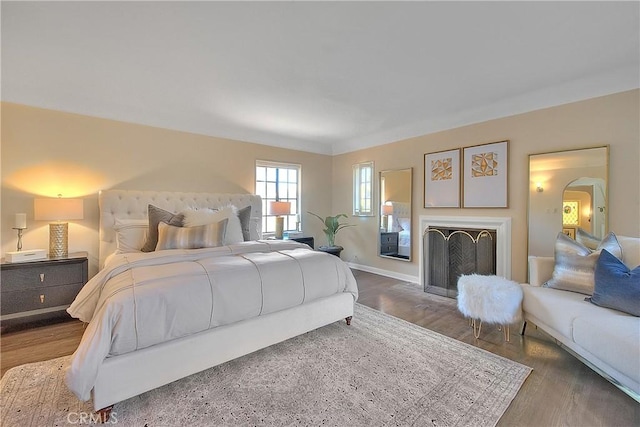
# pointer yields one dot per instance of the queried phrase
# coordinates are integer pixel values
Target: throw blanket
(143, 299)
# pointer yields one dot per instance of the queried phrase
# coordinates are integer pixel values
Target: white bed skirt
(131, 374)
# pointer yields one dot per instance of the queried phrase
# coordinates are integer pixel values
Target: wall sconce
(279, 208)
(539, 187)
(58, 210)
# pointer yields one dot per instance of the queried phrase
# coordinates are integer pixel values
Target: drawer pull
(41, 277)
(41, 299)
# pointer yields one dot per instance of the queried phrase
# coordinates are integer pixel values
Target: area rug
(379, 371)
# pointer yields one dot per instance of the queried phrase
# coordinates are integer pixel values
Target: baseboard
(386, 273)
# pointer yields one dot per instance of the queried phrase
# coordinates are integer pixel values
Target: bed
(155, 317)
(401, 223)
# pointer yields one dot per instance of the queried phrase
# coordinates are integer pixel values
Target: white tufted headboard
(401, 209)
(127, 204)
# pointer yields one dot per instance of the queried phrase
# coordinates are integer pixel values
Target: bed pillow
(244, 215)
(196, 217)
(575, 263)
(202, 236)
(156, 216)
(616, 286)
(131, 234)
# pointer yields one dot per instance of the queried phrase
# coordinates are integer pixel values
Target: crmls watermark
(89, 418)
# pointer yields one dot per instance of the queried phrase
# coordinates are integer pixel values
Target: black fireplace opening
(452, 252)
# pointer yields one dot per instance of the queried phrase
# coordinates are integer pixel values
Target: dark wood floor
(561, 391)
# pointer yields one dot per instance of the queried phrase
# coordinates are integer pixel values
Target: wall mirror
(567, 191)
(395, 214)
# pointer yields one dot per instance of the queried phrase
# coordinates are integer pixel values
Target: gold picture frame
(442, 179)
(486, 175)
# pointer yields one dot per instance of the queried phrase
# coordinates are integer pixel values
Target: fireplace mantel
(502, 226)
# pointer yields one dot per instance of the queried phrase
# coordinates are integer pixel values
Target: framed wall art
(485, 175)
(442, 179)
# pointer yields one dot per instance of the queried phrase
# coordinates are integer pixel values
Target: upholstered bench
(491, 299)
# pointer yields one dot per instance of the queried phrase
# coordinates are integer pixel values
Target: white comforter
(143, 299)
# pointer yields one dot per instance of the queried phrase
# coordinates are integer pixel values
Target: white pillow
(201, 236)
(131, 234)
(196, 217)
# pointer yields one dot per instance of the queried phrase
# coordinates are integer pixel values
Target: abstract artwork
(441, 169)
(484, 164)
(442, 179)
(485, 175)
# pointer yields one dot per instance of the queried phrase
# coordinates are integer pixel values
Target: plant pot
(333, 250)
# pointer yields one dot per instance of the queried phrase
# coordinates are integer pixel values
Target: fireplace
(463, 245)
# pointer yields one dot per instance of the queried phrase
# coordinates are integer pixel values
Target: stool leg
(506, 333)
(476, 333)
(524, 327)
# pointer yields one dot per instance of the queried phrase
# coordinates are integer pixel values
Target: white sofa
(606, 340)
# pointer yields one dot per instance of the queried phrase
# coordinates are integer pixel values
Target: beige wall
(47, 152)
(612, 120)
(396, 187)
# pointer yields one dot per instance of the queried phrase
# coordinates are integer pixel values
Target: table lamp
(386, 211)
(278, 209)
(58, 210)
(20, 226)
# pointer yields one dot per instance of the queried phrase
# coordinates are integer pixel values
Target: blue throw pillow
(616, 286)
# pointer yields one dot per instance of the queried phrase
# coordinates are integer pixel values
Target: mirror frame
(533, 190)
(379, 216)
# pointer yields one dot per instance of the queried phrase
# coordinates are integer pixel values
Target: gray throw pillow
(156, 216)
(245, 222)
(575, 263)
(587, 239)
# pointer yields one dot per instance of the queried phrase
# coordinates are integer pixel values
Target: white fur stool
(492, 299)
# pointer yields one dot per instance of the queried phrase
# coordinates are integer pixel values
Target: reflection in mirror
(395, 214)
(567, 191)
(583, 206)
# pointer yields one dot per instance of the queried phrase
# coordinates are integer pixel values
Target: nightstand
(389, 243)
(39, 290)
(306, 240)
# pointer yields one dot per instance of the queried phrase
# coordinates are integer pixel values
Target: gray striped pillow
(201, 236)
(575, 263)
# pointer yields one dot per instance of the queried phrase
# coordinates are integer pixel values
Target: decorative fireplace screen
(450, 253)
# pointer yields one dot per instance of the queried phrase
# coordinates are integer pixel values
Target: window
(363, 189)
(278, 182)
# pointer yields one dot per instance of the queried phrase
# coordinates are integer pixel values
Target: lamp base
(58, 240)
(279, 227)
(385, 222)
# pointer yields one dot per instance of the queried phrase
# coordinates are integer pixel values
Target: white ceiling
(326, 77)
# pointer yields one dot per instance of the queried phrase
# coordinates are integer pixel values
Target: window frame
(292, 222)
(361, 186)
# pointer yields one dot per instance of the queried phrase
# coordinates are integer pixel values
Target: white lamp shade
(279, 208)
(387, 209)
(58, 209)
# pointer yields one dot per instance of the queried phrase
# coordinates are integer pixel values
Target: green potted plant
(332, 226)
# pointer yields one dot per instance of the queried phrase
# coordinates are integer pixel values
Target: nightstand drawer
(389, 239)
(35, 299)
(41, 276)
(386, 249)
